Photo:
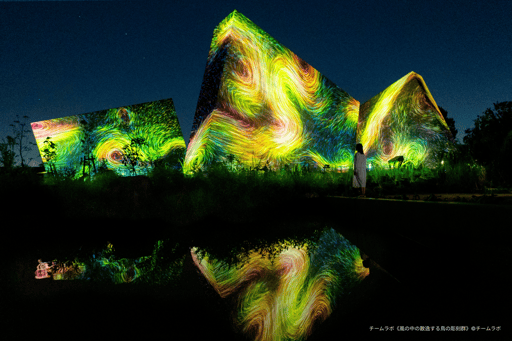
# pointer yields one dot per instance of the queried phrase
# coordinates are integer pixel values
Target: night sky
(60, 59)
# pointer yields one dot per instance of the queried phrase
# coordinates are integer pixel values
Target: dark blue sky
(66, 58)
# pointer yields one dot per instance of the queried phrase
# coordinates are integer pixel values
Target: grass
(181, 199)
(190, 208)
(457, 178)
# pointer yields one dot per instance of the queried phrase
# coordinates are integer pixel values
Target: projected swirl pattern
(105, 134)
(260, 102)
(281, 300)
(403, 120)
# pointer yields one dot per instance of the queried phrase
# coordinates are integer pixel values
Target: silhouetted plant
(132, 154)
(7, 154)
(487, 141)
(50, 154)
(19, 132)
(163, 267)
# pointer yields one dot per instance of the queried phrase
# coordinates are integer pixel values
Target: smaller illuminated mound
(126, 140)
(403, 120)
(281, 299)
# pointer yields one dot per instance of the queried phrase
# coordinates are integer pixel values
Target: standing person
(360, 170)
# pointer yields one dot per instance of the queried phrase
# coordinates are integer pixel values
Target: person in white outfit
(359, 180)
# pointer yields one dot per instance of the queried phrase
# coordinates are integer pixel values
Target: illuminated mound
(283, 298)
(260, 103)
(403, 120)
(107, 138)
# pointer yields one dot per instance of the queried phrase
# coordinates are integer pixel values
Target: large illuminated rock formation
(140, 134)
(403, 120)
(260, 103)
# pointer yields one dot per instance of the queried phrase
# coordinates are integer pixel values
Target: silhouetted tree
(132, 153)
(49, 154)
(7, 154)
(490, 141)
(89, 123)
(20, 131)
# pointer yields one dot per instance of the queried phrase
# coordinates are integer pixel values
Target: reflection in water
(42, 270)
(281, 298)
(105, 267)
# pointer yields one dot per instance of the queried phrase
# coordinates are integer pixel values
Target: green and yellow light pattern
(282, 298)
(403, 120)
(105, 135)
(269, 105)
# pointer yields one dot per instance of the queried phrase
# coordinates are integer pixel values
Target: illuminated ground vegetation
(138, 134)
